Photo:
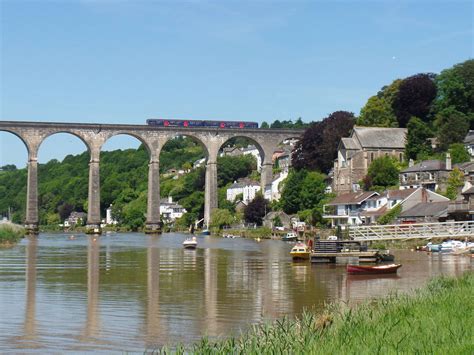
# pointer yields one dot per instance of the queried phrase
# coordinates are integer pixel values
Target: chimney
(448, 162)
(411, 163)
(170, 199)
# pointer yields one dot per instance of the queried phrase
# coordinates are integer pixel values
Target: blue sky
(126, 61)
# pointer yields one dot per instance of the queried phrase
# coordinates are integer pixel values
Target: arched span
(19, 136)
(257, 145)
(130, 134)
(83, 140)
(192, 137)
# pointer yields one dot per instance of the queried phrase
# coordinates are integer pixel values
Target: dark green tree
(264, 125)
(417, 139)
(452, 127)
(456, 89)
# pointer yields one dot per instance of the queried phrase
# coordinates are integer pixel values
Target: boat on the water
(300, 252)
(206, 232)
(379, 269)
(190, 243)
(289, 237)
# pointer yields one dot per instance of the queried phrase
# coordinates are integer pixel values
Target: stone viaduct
(153, 138)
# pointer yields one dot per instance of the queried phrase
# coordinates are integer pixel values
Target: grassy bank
(438, 319)
(10, 233)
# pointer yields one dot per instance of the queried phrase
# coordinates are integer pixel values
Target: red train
(200, 123)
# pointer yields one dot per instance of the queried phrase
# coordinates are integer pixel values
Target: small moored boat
(190, 243)
(300, 252)
(290, 236)
(379, 269)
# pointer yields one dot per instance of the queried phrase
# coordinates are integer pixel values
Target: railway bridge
(32, 134)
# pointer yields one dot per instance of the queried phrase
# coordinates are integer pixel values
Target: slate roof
(466, 167)
(427, 209)
(469, 138)
(380, 137)
(469, 191)
(243, 183)
(352, 198)
(350, 143)
(399, 194)
(426, 165)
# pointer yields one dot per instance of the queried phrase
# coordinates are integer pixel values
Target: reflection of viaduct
(95, 135)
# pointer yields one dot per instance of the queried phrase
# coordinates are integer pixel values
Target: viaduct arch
(32, 134)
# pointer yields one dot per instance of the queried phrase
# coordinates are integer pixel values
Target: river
(131, 292)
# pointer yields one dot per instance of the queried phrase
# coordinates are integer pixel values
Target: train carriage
(200, 123)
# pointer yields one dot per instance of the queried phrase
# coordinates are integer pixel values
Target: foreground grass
(10, 233)
(438, 319)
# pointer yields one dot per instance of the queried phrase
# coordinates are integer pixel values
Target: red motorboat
(369, 270)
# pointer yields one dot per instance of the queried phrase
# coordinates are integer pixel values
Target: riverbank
(10, 234)
(435, 319)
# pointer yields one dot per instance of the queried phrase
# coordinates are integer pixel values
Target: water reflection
(92, 325)
(131, 292)
(29, 324)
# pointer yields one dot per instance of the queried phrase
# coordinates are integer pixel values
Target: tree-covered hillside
(63, 186)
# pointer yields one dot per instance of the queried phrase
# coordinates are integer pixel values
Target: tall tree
(414, 98)
(290, 196)
(417, 139)
(317, 149)
(456, 88)
(459, 153)
(455, 182)
(452, 127)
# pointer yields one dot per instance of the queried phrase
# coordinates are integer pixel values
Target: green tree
(459, 153)
(452, 126)
(312, 191)
(221, 218)
(456, 89)
(417, 139)
(455, 182)
(264, 125)
(384, 172)
(290, 196)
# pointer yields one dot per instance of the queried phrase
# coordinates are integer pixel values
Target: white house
(247, 188)
(170, 210)
(108, 216)
(276, 187)
(365, 207)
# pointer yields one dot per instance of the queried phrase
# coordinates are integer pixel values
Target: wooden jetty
(327, 251)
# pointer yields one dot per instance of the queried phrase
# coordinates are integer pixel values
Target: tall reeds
(10, 233)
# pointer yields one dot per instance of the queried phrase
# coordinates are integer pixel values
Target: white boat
(290, 236)
(190, 243)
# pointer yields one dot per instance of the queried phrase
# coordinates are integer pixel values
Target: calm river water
(131, 292)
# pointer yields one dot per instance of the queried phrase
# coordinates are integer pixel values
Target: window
(371, 157)
(417, 176)
(400, 157)
(404, 177)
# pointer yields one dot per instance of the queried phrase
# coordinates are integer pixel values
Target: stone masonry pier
(153, 138)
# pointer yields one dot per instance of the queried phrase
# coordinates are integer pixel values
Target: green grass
(438, 319)
(10, 233)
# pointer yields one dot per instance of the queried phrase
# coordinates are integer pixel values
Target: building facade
(246, 187)
(357, 152)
